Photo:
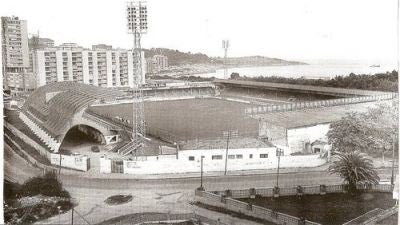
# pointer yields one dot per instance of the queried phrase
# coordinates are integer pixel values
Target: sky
(304, 30)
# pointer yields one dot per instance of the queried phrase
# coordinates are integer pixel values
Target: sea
(313, 71)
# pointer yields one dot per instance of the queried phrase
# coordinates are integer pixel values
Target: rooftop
(327, 90)
(234, 143)
(310, 117)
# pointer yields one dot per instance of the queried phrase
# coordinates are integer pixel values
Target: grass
(189, 119)
(333, 209)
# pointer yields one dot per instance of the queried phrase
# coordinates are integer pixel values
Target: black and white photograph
(200, 112)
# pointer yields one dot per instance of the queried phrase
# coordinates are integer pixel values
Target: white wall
(181, 164)
(298, 136)
(105, 165)
(78, 162)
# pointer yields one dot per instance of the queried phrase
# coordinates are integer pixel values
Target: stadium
(89, 128)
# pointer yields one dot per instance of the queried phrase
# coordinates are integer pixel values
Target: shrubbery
(378, 82)
(47, 185)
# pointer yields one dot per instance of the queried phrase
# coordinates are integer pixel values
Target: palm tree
(355, 168)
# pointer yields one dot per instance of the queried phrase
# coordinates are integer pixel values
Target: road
(155, 195)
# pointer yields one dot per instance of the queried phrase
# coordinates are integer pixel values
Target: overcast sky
(355, 30)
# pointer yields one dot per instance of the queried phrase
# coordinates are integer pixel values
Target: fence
(317, 104)
(287, 191)
(226, 199)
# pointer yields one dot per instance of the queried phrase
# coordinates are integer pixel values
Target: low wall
(78, 162)
(248, 209)
(226, 199)
(317, 104)
(189, 161)
(289, 191)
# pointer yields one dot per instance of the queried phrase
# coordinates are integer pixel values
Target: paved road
(166, 195)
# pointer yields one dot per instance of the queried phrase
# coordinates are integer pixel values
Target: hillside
(257, 61)
(177, 58)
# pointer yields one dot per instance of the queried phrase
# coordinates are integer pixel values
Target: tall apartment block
(101, 67)
(15, 60)
(157, 63)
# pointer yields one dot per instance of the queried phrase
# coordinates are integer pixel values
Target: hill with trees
(377, 82)
(176, 58)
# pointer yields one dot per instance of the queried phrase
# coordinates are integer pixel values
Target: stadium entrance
(82, 135)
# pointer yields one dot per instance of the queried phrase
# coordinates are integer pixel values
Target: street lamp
(201, 173)
(278, 153)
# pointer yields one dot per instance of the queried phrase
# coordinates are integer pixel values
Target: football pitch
(181, 120)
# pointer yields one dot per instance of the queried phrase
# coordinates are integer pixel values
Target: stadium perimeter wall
(189, 161)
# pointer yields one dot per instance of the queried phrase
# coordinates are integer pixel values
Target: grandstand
(52, 110)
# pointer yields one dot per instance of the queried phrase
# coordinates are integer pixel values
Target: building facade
(157, 63)
(104, 68)
(15, 60)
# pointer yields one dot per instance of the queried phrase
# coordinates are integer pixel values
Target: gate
(117, 166)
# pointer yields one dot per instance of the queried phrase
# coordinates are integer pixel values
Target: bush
(47, 185)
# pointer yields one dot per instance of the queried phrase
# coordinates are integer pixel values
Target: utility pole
(72, 216)
(393, 159)
(201, 173)
(278, 152)
(226, 154)
(59, 170)
(228, 135)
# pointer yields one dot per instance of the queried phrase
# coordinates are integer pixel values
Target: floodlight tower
(137, 25)
(225, 46)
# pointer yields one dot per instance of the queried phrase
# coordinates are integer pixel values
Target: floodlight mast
(225, 46)
(137, 25)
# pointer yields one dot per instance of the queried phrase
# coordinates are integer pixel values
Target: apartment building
(15, 60)
(104, 68)
(157, 63)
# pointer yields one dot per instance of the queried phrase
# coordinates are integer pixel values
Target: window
(251, 156)
(191, 158)
(263, 155)
(239, 156)
(231, 156)
(216, 157)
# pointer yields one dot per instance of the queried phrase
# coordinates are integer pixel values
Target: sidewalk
(191, 175)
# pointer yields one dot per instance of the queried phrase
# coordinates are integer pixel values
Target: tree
(370, 132)
(355, 168)
(235, 75)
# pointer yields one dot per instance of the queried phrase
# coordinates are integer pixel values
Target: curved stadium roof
(52, 106)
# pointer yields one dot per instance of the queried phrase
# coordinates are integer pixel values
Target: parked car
(95, 149)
